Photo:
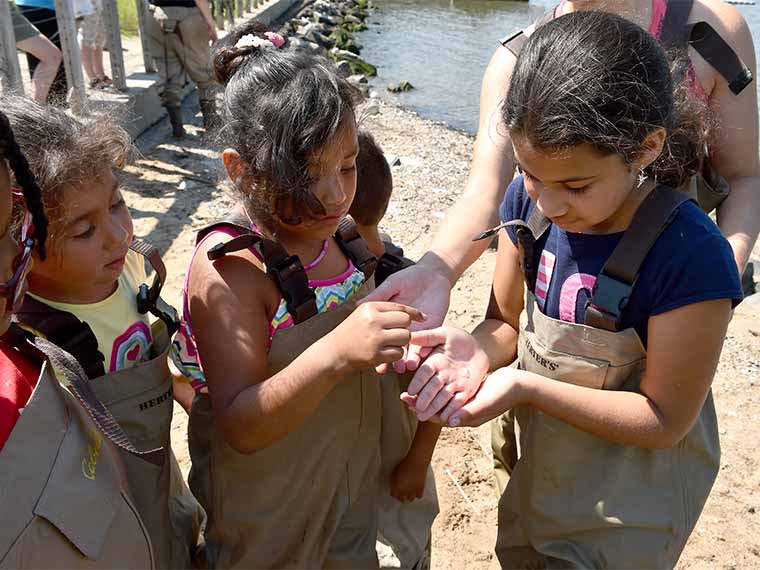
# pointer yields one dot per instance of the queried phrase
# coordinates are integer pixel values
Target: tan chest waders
(140, 399)
(404, 539)
(404, 531)
(65, 498)
(578, 501)
(310, 499)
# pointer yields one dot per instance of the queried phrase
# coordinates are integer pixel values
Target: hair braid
(10, 150)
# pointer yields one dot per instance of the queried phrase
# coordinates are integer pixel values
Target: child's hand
(183, 391)
(449, 377)
(373, 334)
(501, 391)
(408, 479)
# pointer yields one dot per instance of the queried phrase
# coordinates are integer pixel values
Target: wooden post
(113, 41)
(247, 5)
(231, 11)
(219, 9)
(10, 72)
(240, 8)
(72, 59)
(142, 24)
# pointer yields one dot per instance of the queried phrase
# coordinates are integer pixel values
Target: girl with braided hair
(90, 297)
(53, 456)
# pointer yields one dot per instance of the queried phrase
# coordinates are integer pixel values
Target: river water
(443, 46)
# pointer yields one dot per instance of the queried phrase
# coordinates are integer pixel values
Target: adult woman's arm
(206, 13)
(427, 285)
(492, 168)
(734, 143)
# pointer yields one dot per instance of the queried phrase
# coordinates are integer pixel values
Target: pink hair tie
(275, 38)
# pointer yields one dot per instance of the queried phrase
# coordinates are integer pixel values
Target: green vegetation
(128, 17)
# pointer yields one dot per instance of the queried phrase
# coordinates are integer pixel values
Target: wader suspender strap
(78, 384)
(516, 41)
(149, 299)
(354, 247)
(285, 270)
(617, 278)
(711, 46)
(64, 330)
(706, 41)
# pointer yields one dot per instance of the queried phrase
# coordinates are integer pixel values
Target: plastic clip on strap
(149, 299)
(291, 280)
(608, 300)
(238, 243)
(354, 246)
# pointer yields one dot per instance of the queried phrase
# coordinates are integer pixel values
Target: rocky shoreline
(329, 28)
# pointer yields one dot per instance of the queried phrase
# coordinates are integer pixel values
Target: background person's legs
(30, 40)
(164, 45)
(195, 56)
(44, 20)
(92, 38)
(49, 58)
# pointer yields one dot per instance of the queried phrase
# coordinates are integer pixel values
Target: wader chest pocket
(535, 357)
(83, 492)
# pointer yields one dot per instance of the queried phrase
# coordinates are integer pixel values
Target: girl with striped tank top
(285, 425)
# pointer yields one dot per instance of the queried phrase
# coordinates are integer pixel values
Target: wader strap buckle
(354, 247)
(607, 302)
(149, 299)
(238, 243)
(290, 278)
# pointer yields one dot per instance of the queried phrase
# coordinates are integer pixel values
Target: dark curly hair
(280, 109)
(63, 151)
(596, 78)
(10, 151)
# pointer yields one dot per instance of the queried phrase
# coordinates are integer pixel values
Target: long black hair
(280, 109)
(598, 79)
(10, 151)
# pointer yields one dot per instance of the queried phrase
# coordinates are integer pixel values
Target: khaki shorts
(22, 28)
(92, 30)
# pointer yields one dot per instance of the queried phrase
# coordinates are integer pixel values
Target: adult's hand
(449, 377)
(424, 288)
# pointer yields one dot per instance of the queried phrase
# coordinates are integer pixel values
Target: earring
(641, 178)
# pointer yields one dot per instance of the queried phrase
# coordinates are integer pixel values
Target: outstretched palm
(449, 377)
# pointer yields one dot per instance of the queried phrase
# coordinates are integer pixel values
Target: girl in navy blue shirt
(618, 438)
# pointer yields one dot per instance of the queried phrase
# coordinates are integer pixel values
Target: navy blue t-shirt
(691, 262)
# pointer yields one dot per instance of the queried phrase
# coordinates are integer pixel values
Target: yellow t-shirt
(124, 335)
